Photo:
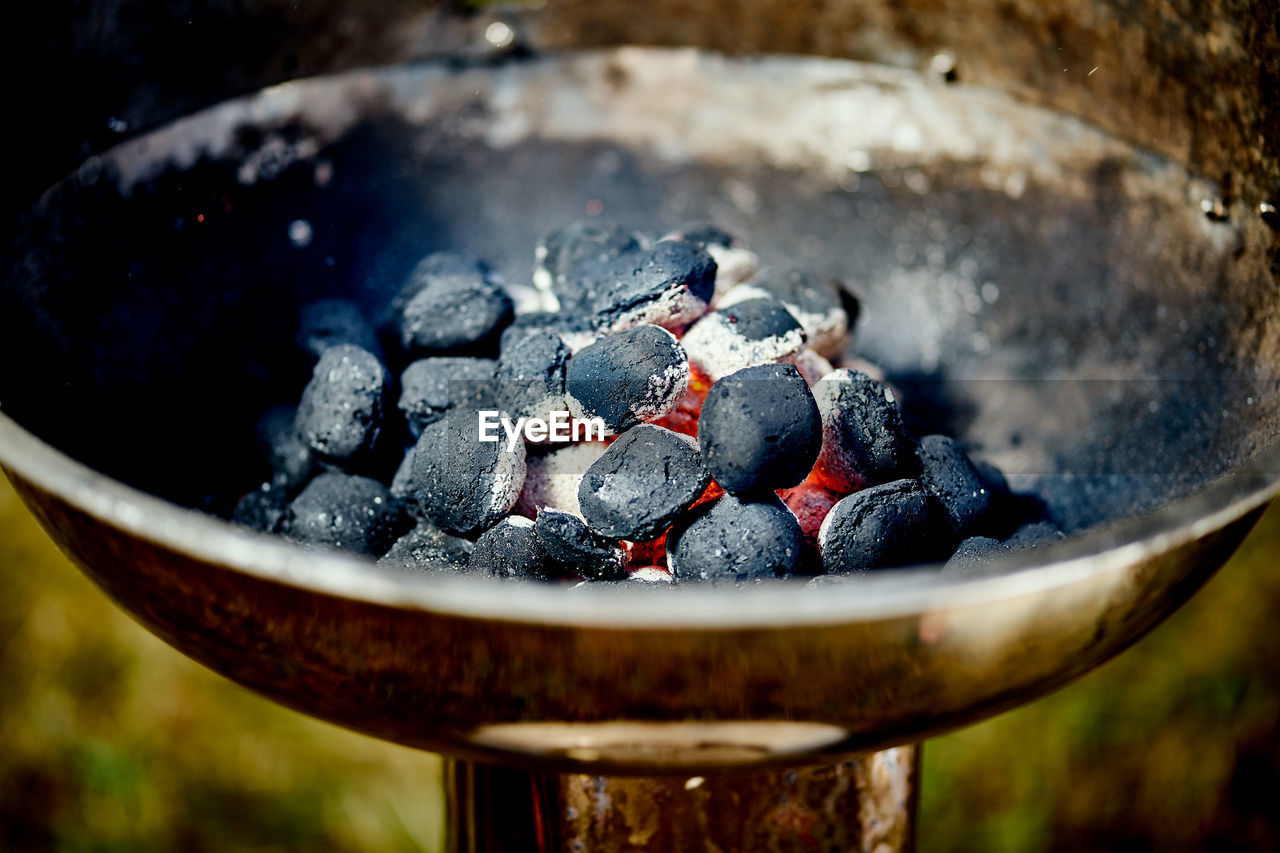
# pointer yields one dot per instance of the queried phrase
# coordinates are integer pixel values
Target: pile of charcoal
(727, 445)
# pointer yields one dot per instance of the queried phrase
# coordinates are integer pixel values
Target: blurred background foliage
(109, 740)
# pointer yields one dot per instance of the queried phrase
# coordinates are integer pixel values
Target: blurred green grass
(110, 740)
(1173, 745)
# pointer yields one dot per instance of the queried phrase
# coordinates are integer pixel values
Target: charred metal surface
(1191, 80)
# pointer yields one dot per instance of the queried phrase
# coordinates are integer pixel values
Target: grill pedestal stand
(865, 803)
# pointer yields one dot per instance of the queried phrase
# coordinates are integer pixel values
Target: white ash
(742, 293)
(578, 339)
(666, 390)
(716, 349)
(527, 299)
(551, 479)
(674, 309)
(827, 332)
(650, 574)
(734, 265)
(508, 479)
(875, 371)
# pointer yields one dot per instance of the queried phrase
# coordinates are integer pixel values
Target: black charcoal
(862, 437)
(262, 509)
(952, 481)
(760, 429)
(731, 539)
(641, 483)
(745, 334)
(326, 323)
(974, 556)
(463, 485)
(1037, 534)
(531, 375)
(450, 305)
(449, 263)
(290, 458)
(703, 236)
(343, 511)
(993, 478)
(735, 263)
(402, 481)
(628, 377)
(881, 526)
(342, 406)
(427, 548)
(825, 309)
(576, 332)
(429, 387)
(510, 549)
(668, 285)
(578, 551)
(569, 263)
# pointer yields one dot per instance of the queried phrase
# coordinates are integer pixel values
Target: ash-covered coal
(729, 448)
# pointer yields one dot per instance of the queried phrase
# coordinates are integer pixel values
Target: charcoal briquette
(531, 375)
(863, 442)
(461, 484)
(427, 548)
(446, 306)
(735, 263)
(344, 511)
(326, 323)
(290, 458)
(571, 544)
(511, 549)
(824, 307)
(733, 539)
(668, 285)
(760, 429)
(641, 483)
(994, 479)
(1034, 535)
(569, 263)
(745, 334)
(625, 378)
(576, 331)
(430, 387)
(882, 526)
(341, 411)
(951, 480)
(974, 556)
(262, 509)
